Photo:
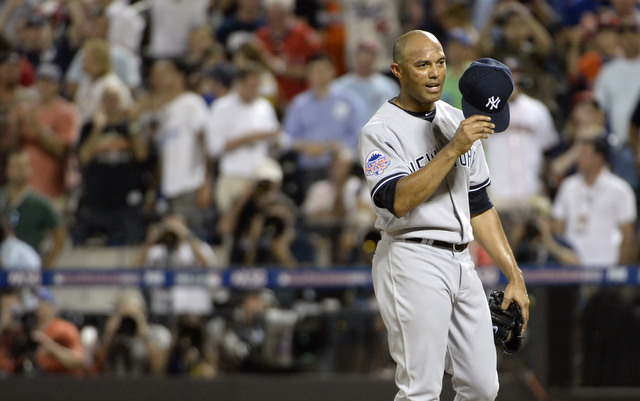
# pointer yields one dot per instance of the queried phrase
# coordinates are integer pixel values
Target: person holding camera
(170, 244)
(38, 341)
(130, 344)
(262, 221)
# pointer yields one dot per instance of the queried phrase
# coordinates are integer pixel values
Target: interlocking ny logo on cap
(485, 87)
(492, 103)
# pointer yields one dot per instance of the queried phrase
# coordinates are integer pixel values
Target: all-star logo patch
(376, 163)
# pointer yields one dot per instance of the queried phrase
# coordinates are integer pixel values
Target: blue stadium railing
(260, 277)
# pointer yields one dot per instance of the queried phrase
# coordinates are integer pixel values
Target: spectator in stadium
(215, 82)
(250, 54)
(48, 130)
(36, 340)
(595, 210)
(192, 353)
(590, 46)
(123, 62)
(460, 50)
(181, 123)
(377, 20)
(518, 178)
(513, 31)
(59, 348)
(16, 254)
(126, 24)
(131, 346)
(96, 63)
(288, 45)
(365, 82)
(241, 24)
(11, 94)
(243, 130)
(31, 214)
(35, 41)
(171, 245)
(262, 221)
(322, 120)
(586, 121)
(634, 134)
(111, 152)
(329, 210)
(617, 91)
(244, 335)
(202, 50)
(171, 22)
(539, 245)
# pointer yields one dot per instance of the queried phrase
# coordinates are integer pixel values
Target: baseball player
(427, 175)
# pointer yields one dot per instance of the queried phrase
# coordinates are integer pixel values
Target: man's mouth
(433, 87)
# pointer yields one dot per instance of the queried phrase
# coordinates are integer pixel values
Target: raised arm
(416, 188)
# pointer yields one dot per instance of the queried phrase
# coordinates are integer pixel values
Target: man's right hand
(470, 130)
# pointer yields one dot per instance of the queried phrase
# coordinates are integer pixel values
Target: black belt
(440, 244)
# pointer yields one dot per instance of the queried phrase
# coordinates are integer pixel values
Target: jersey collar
(427, 117)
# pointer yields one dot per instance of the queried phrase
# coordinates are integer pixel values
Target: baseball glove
(507, 324)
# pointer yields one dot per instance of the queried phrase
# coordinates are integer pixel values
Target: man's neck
(321, 92)
(17, 191)
(592, 176)
(405, 103)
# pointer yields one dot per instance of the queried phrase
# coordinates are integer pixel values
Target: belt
(440, 244)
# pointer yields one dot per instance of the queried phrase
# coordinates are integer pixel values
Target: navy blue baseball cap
(486, 86)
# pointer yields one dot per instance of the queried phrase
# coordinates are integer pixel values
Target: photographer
(38, 342)
(191, 352)
(170, 244)
(131, 345)
(262, 221)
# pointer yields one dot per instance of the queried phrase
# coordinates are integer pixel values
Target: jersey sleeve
(380, 160)
(479, 176)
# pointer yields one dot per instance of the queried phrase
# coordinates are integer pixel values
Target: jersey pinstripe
(395, 143)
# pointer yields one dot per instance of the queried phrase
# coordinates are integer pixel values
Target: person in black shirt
(111, 153)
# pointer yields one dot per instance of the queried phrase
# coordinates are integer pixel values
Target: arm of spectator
(5, 15)
(90, 148)
(59, 237)
(574, 51)
(49, 140)
(250, 139)
(229, 221)
(543, 42)
(78, 16)
(205, 194)
(316, 148)
(543, 12)
(626, 246)
(70, 358)
(634, 134)
(255, 230)
(560, 252)
(486, 44)
(139, 146)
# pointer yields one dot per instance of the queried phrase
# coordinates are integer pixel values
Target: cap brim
(500, 118)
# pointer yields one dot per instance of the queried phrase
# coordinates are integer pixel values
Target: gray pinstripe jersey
(395, 143)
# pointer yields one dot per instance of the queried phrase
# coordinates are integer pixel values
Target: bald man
(427, 176)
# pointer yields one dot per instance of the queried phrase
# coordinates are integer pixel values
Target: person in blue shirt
(372, 87)
(320, 121)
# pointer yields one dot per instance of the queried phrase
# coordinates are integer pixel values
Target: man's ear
(396, 70)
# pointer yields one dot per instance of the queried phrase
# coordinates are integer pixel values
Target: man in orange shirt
(54, 346)
(48, 130)
(59, 349)
(288, 45)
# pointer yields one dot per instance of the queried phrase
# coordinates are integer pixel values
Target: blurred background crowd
(222, 133)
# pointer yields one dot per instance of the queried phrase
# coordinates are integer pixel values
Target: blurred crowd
(223, 133)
